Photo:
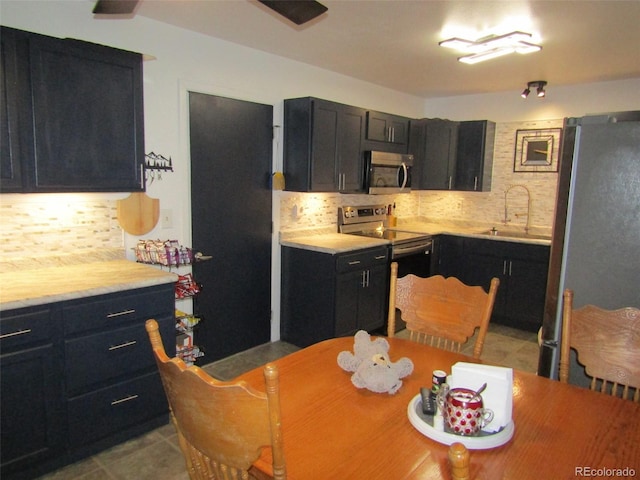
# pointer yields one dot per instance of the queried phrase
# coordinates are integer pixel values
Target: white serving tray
(424, 424)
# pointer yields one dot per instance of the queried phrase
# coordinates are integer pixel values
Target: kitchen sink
(514, 234)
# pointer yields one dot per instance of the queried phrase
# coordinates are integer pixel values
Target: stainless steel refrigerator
(595, 249)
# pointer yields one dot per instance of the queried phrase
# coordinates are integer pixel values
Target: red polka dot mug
(463, 411)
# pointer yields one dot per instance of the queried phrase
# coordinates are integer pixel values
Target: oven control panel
(350, 215)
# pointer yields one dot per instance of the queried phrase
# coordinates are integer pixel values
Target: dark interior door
(231, 152)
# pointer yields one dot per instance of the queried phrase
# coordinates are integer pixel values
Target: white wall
(560, 102)
(185, 60)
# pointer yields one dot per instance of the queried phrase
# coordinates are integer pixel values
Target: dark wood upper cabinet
(433, 145)
(323, 146)
(79, 120)
(452, 155)
(386, 132)
(11, 176)
(474, 156)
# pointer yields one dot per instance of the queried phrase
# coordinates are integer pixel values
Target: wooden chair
(441, 312)
(222, 426)
(608, 346)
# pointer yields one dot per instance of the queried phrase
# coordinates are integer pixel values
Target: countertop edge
(92, 292)
(106, 280)
(333, 244)
(327, 243)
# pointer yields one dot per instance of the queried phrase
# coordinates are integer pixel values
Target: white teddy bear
(372, 366)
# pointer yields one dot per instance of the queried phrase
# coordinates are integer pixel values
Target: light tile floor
(156, 456)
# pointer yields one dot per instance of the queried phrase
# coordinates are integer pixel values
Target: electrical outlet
(166, 218)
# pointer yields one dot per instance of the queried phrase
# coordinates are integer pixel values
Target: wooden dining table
(333, 430)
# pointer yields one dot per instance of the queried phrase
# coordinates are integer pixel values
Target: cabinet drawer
(356, 261)
(118, 309)
(115, 408)
(22, 329)
(94, 359)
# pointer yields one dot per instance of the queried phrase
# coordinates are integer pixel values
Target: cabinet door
(372, 301)
(348, 287)
(439, 166)
(88, 117)
(307, 296)
(480, 269)
(32, 419)
(383, 127)
(350, 159)
(448, 250)
(10, 95)
(474, 156)
(526, 294)
(324, 147)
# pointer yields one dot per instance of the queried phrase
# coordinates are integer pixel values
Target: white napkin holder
(498, 395)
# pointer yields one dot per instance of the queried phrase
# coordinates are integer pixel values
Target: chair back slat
(607, 343)
(441, 312)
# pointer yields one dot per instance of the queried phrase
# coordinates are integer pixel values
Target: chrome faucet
(506, 206)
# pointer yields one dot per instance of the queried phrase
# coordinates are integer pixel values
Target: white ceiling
(394, 43)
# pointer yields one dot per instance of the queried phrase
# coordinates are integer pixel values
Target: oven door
(413, 259)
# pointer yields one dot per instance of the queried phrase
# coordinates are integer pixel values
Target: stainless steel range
(412, 251)
(370, 221)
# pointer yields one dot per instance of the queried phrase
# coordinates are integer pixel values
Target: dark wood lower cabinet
(326, 296)
(80, 376)
(521, 268)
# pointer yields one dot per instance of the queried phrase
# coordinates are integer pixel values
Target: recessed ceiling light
(492, 46)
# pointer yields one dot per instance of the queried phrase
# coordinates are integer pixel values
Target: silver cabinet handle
(504, 267)
(128, 398)
(354, 262)
(364, 276)
(380, 257)
(122, 345)
(510, 265)
(119, 314)
(449, 182)
(475, 183)
(142, 175)
(16, 333)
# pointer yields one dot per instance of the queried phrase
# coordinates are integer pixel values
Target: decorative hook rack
(153, 163)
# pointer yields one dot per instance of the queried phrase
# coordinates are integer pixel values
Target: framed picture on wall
(537, 150)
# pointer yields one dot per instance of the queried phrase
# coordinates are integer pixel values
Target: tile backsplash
(45, 225)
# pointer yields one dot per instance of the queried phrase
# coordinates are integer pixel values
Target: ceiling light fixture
(492, 46)
(538, 85)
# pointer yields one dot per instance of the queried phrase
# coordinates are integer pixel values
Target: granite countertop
(334, 243)
(28, 287)
(537, 236)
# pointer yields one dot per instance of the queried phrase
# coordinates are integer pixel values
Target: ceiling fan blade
(115, 7)
(298, 11)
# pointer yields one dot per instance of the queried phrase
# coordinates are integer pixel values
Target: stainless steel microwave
(387, 172)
